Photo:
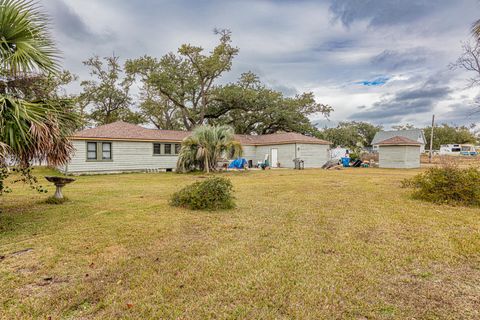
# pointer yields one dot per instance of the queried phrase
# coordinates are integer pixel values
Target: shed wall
(314, 155)
(402, 157)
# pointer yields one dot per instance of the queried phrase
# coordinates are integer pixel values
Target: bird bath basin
(59, 182)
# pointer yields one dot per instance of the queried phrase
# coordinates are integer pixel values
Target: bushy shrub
(447, 184)
(211, 194)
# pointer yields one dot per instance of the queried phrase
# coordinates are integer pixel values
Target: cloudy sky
(383, 61)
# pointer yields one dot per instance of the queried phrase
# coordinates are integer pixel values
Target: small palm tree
(29, 129)
(205, 146)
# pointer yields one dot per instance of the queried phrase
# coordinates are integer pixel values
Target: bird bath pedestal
(59, 182)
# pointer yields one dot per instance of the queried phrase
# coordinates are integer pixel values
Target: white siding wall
(126, 156)
(249, 153)
(314, 155)
(285, 154)
(412, 157)
(138, 156)
(399, 156)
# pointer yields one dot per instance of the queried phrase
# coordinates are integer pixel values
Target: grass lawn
(306, 244)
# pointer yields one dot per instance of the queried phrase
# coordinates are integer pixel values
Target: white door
(274, 158)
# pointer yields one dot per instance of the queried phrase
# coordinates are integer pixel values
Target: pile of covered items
(239, 164)
(340, 158)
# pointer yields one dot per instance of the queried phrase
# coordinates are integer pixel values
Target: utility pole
(431, 140)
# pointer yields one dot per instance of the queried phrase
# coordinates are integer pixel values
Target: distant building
(399, 152)
(411, 134)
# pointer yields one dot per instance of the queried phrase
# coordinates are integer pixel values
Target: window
(106, 151)
(99, 151)
(167, 149)
(157, 148)
(91, 150)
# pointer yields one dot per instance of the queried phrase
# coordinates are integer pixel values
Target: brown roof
(127, 131)
(399, 141)
(280, 138)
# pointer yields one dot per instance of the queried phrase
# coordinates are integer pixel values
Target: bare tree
(470, 61)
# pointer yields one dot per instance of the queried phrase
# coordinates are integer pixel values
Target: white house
(412, 134)
(121, 147)
(399, 152)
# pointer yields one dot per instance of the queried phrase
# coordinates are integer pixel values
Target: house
(412, 134)
(121, 147)
(399, 152)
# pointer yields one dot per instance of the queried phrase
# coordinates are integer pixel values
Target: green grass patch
(310, 244)
(53, 200)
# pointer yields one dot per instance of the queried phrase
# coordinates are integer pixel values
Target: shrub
(211, 194)
(448, 184)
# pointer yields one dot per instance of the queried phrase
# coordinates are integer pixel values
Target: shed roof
(412, 134)
(126, 131)
(399, 141)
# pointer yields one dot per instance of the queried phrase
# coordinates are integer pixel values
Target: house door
(274, 158)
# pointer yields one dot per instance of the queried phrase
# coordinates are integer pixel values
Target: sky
(381, 61)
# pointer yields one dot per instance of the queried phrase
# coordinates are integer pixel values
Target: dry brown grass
(310, 244)
(458, 160)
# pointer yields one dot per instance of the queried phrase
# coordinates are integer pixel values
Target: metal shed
(399, 152)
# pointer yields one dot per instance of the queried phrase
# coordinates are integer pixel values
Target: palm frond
(25, 42)
(206, 146)
(476, 29)
(36, 130)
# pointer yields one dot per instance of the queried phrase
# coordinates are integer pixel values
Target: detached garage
(399, 152)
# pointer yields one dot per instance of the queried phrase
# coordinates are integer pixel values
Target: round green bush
(448, 184)
(211, 194)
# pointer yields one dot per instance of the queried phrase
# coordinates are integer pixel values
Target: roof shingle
(126, 131)
(399, 141)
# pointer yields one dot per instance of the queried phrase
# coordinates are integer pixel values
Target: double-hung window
(99, 151)
(106, 151)
(91, 150)
(167, 148)
(157, 148)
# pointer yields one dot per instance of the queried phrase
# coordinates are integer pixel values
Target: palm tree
(29, 129)
(205, 146)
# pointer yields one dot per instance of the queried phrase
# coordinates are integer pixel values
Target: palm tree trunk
(207, 165)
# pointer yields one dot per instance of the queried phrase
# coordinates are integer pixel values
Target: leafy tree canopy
(106, 96)
(188, 79)
(180, 91)
(351, 134)
(445, 134)
(250, 107)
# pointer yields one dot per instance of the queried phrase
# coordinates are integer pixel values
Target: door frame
(274, 163)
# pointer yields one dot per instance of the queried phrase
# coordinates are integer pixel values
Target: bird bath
(59, 182)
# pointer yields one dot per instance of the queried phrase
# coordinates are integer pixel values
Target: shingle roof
(398, 141)
(122, 130)
(412, 134)
(127, 131)
(285, 137)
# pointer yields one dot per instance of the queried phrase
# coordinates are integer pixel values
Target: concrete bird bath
(59, 182)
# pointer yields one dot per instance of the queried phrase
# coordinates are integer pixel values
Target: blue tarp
(239, 163)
